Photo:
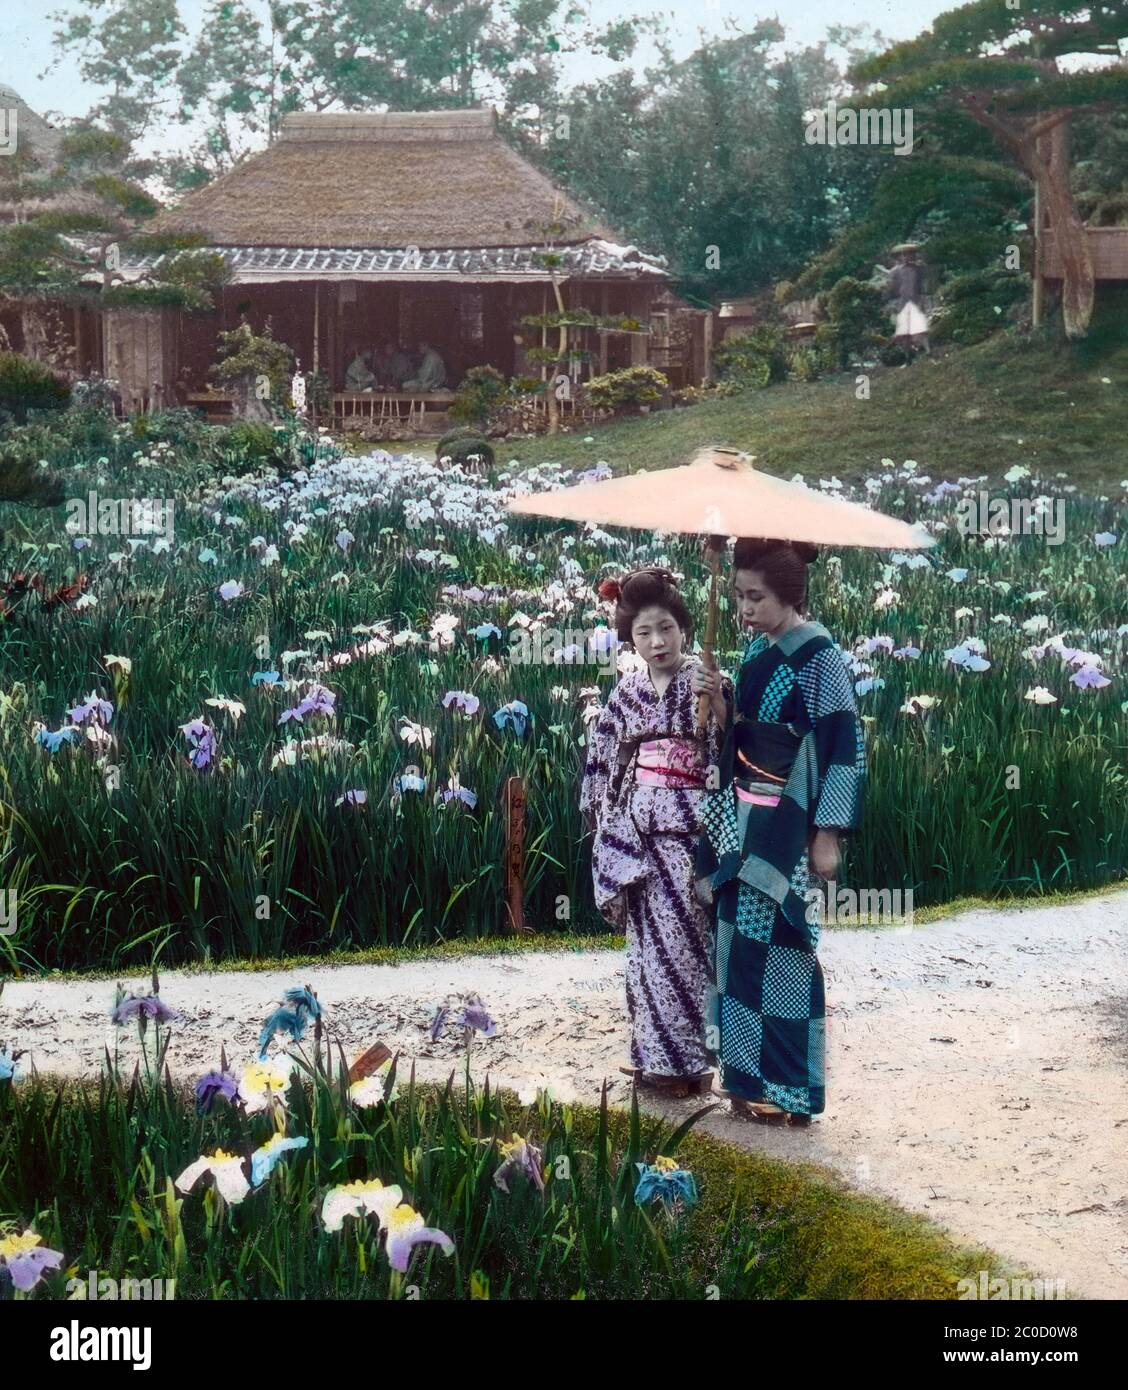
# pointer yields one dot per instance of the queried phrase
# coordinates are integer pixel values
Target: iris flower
(461, 699)
(664, 1181)
(93, 707)
(213, 1086)
(297, 1008)
(361, 1198)
(475, 1016)
(226, 1169)
(519, 1157)
(512, 715)
(406, 1230)
(53, 741)
(142, 1007)
(264, 1160)
(262, 1084)
(1088, 677)
(8, 1061)
(27, 1259)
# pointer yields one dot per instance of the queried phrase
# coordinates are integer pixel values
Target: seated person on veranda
(392, 367)
(359, 376)
(430, 375)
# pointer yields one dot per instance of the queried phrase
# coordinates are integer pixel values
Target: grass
(92, 1167)
(1009, 400)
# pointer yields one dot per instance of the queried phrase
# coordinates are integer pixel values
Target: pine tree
(999, 64)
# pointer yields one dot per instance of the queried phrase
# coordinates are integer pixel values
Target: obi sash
(670, 762)
(765, 751)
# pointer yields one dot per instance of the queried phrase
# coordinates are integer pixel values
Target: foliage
(99, 874)
(856, 323)
(632, 386)
(27, 385)
(75, 1157)
(975, 306)
(481, 393)
(469, 449)
(753, 359)
(248, 358)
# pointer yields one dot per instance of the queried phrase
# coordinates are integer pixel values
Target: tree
(86, 217)
(242, 72)
(1000, 67)
(705, 159)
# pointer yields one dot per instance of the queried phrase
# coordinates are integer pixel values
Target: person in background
(905, 287)
(359, 376)
(430, 375)
(392, 367)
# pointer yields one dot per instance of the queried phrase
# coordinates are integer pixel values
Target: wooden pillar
(639, 300)
(316, 326)
(707, 346)
(603, 336)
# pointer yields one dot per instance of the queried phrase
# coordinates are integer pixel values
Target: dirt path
(977, 1067)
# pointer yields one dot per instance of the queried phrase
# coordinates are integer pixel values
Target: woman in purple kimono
(642, 787)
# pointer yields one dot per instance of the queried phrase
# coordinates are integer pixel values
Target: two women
(788, 787)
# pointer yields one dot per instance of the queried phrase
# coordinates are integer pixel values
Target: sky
(26, 49)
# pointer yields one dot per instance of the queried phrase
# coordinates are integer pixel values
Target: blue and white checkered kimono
(796, 733)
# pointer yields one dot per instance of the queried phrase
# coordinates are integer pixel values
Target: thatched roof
(431, 179)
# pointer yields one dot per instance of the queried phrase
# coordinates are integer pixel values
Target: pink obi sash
(670, 762)
(756, 798)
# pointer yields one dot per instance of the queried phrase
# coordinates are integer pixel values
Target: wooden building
(357, 229)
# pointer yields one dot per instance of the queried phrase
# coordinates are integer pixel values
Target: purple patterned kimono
(646, 830)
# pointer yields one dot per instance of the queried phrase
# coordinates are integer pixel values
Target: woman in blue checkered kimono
(789, 788)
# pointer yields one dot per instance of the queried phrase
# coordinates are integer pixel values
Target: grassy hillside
(968, 411)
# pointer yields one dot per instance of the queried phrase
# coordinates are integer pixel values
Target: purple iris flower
(94, 705)
(463, 794)
(475, 1016)
(29, 1266)
(201, 742)
(143, 1007)
(216, 1085)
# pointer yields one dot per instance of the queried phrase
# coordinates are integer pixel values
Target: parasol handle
(713, 549)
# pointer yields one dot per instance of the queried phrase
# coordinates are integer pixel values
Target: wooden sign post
(515, 852)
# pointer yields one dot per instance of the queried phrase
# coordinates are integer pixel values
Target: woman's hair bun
(750, 550)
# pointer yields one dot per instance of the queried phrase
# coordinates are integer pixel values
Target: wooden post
(316, 323)
(713, 552)
(515, 852)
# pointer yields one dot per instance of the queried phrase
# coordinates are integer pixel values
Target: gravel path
(977, 1067)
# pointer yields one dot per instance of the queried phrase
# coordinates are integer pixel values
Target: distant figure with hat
(905, 287)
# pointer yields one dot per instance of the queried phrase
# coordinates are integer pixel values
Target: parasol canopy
(721, 494)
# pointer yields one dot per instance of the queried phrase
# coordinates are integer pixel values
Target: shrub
(29, 385)
(245, 357)
(467, 448)
(481, 393)
(631, 386)
(857, 321)
(754, 359)
(975, 306)
(803, 363)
